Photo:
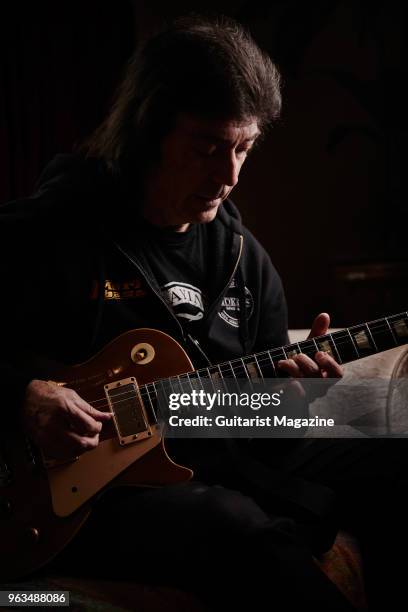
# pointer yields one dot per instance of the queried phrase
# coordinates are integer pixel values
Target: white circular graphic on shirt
(185, 300)
(230, 307)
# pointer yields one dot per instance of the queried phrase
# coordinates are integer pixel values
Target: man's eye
(213, 150)
(244, 152)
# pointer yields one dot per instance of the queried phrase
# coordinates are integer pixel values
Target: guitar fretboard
(344, 346)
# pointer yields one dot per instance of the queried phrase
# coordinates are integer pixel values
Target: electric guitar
(43, 503)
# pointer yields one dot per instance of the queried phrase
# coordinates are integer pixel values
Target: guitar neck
(351, 343)
(345, 345)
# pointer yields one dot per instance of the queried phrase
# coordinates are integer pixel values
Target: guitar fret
(153, 401)
(239, 368)
(244, 367)
(382, 335)
(291, 350)
(273, 365)
(180, 383)
(215, 377)
(166, 388)
(224, 384)
(400, 328)
(211, 379)
(183, 381)
(194, 377)
(371, 336)
(354, 344)
(308, 347)
(200, 379)
(339, 359)
(362, 340)
(234, 376)
(259, 368)
(391, 331)
(232, 368)
(252, 368)
(248, 377)
(266, 365)
(156, 394)
(171, 386)
(324, 344)
(150, 408)
(344, 345)
(278, 353)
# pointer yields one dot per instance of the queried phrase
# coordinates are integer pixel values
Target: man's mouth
(211, 199)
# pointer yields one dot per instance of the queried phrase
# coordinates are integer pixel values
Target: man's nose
(226, 170)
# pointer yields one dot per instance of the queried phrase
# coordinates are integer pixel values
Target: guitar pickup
(129, 415)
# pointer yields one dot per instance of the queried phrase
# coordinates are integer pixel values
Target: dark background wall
(325, 194)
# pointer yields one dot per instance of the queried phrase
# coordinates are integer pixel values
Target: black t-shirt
(176, 262)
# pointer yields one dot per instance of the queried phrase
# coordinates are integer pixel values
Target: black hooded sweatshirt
(54, 250)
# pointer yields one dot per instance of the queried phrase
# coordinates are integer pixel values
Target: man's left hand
(302, 366)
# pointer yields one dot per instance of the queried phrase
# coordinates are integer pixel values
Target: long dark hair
(208, 67)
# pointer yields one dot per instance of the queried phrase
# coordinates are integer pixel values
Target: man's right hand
(59, 421)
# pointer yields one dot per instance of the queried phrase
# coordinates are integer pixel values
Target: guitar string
(277, 352)
(264, 357)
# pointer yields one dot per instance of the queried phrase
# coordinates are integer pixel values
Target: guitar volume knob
(142, 353)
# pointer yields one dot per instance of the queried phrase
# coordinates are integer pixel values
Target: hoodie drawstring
(243, 318)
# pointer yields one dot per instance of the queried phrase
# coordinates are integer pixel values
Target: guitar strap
(243, 319)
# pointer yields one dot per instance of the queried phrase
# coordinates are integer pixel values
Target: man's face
(200, 164)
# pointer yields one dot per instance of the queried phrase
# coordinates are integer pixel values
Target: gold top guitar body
(44, 503)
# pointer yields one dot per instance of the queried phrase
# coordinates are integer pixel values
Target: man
(110, 241)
